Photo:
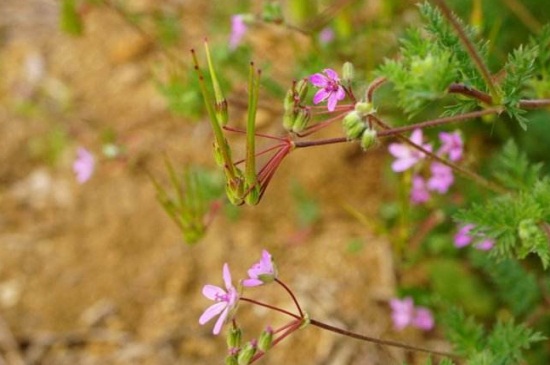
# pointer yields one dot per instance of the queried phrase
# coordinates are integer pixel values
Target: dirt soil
(98, 274)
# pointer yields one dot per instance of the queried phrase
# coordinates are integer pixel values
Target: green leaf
(513, 170)
(464, 333)
(508, 340)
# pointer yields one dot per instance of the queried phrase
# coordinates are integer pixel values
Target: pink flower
(404, 314)
(330, 88)
(262, 272)
(238, 30)
(405, 155)
(452, 145)
(84, 165)
(419, 192)
(326, 35)
(463, 238)
(226, 301)
(442, 178)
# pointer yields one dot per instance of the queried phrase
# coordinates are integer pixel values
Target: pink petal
(227, 276)
(212, 292)
(320, 96)
(332, 100)
(423, 319)
(398, 150)
(340, 93)
(318, 80)
(416, 136)
(252, 282)
(212, 312)
(403, 164)
(220, 321)
(331, 74)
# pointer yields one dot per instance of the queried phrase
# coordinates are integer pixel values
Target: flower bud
(234, 188)
(253, 192)
(231, 359)
(234, 337)
(368, 139)
(288, 119)
(364, 108)
(266, 340)
(347, 73)
(302, 87)
(353, 125)
(247, 352)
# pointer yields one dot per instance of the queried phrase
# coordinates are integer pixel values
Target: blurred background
(97, 273)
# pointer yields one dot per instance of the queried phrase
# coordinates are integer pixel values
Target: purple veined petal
(220, 322)
(331, 74)
(227, 276)
(320, 96)
(212, 312)
(318, 80)
(403, 164)
(398, 150)
(212, 292)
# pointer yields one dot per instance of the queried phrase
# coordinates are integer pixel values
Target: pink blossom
(405, 155)
(405, 314)
(463, 238)
(262, 272)
(330, 88)
(326, 35)
(238, 30)
(226, 301)
(442, 178)
(419, 192)
(84, 165)
(452, 145)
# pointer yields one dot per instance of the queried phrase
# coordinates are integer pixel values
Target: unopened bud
(353, 125)
(231, 360)
(348, 73)
(288, 119)
(252, 196)
(302, 87)
(234, 188)
(247, 352)
(368, 139)
(266, 340)
(234, 337)
(364, 108)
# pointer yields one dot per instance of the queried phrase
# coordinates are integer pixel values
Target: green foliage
(519, 70)
(513, 170)
(516, 221)
(516, 287)
(541, 83)
(190, 201)
(502, 346)
(70, 21)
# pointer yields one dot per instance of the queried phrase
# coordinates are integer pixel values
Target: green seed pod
(234, 188)
(231, 360)
(246, 353)
(368, 139)
(252, 196)
(303, 117)
(218, 154)
(302, 87)
(353, 125)
(288, 119)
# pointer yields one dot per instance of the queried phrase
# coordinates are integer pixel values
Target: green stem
(253, 90)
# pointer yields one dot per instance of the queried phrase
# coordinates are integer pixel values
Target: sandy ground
(97, 273)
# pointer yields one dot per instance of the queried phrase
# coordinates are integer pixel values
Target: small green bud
(364, 108)
(368, 139)
(528, 230)
(288, 119)
(348, 73)
(234, 337)
(353, 125)
(288, 103)
(266, 340)
(303, 117)
(302, 87)
(222, 116)
(246, 353)
(234, 188)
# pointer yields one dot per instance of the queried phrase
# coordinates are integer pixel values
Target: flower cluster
(463, 238)
(441, 176)
(405, 314)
